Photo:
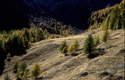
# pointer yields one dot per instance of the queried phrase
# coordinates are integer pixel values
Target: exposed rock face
(15, 13)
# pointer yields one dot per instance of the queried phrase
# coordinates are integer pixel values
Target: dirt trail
(55, 66)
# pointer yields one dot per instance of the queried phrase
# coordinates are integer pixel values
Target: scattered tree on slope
(89, 45)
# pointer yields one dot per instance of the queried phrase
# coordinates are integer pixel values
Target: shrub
(18, 75)
(46, 33)
(23, 67)
(7, 77)
(71, 48)
(89, 45)
(8, 56)
(21, 71)
(64, 51)
(25, 75)
(76, 45)
(105, 36)
(16, 67)
(35, 72)
(63, 45)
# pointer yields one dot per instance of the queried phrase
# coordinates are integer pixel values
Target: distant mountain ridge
(15, 13)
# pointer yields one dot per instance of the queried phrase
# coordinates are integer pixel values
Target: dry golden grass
(58, 67)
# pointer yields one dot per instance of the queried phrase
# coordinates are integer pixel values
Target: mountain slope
(58, 67)
(15, 14)
(111, 17)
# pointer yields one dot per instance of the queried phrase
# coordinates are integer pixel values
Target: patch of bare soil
(107, 66)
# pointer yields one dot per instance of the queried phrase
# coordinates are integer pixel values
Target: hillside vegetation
(16, 14)
(109, 18)
(55, 66)
(51, 52)
(15, 42)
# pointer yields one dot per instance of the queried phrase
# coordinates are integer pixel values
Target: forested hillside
(17, 14)
(45, 40)
(110, 18)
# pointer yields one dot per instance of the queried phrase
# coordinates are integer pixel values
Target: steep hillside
(16, 14)
(111, 17)
(109, 65)
(95, 54)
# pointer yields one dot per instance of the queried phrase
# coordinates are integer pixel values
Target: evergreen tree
(89, 45)
(63, 45)
(39, 34)
(36, 70)
(71, 48)
(105, 35)
(76, 45)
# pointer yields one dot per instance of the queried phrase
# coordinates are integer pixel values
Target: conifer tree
(76, 45)
(63, 45)
(36, 70)
(105, 35)
(71, 48)
(89, 45)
